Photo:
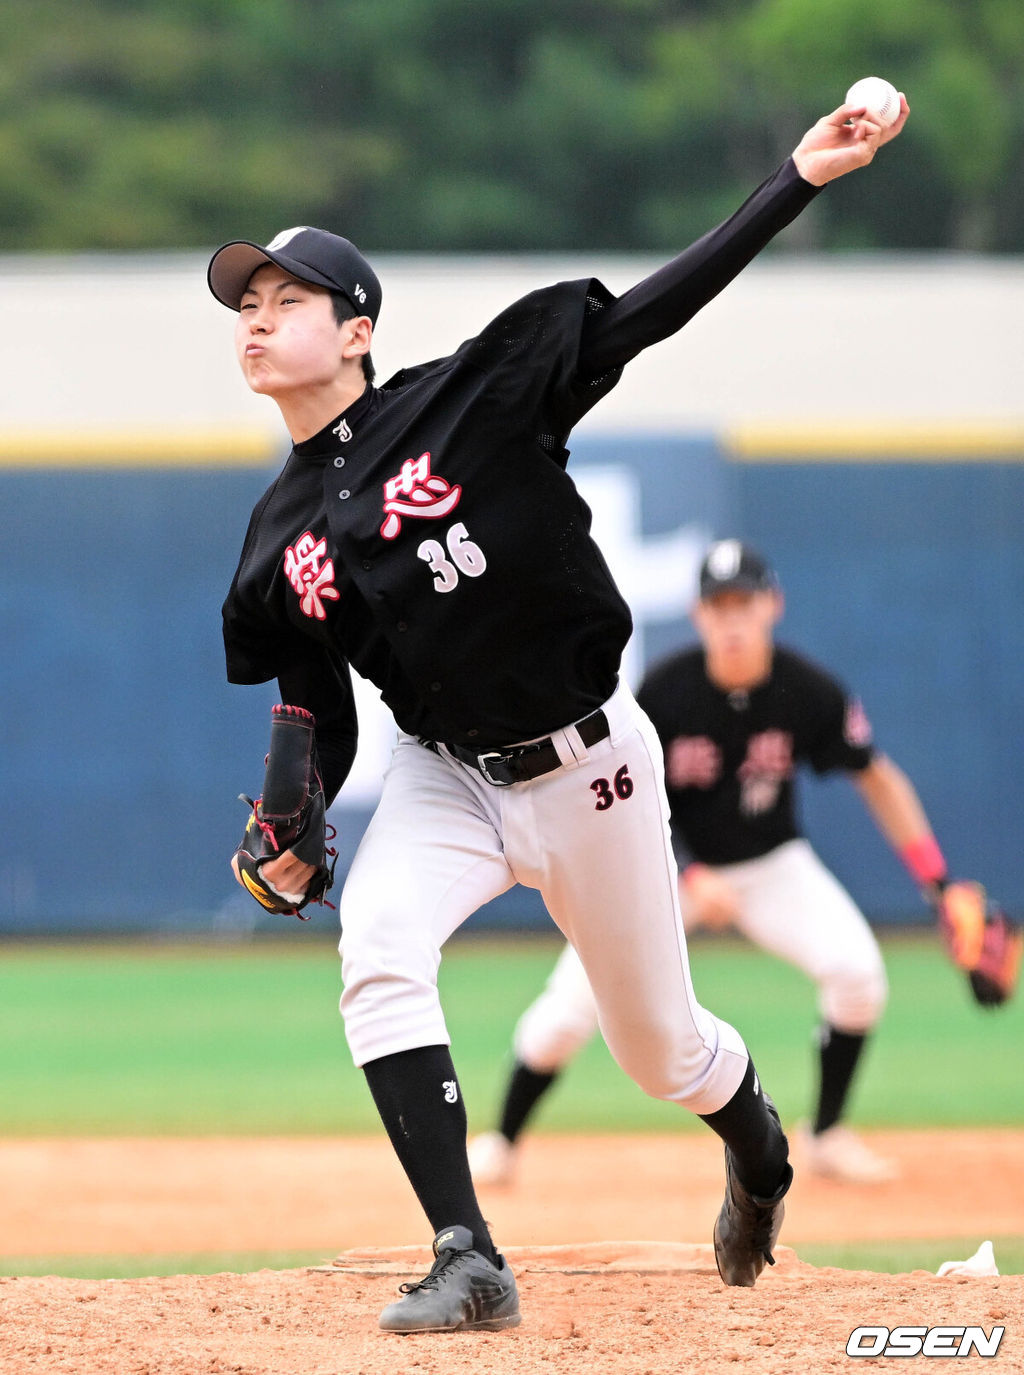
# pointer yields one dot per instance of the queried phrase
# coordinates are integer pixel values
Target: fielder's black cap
(731, 566)
(309, 255)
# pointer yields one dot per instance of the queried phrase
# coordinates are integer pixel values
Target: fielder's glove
(981, 939)
(289, 815)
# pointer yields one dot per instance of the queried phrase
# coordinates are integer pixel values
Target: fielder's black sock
(758, 1144)
(418, 1097)
(839, 1052)
(526, 1087)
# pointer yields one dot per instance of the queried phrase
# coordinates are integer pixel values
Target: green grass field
(225, 1039)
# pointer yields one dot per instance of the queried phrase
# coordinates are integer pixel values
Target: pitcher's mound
(589, 1258)
(632, 1308)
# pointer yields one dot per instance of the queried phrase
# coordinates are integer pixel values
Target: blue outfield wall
(124, 748)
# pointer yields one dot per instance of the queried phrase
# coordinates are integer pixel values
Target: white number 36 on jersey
(461, 556)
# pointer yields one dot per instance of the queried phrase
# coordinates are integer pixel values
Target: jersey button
(339, 462)
(473, 733)
(367, 565)
(402, 626)
(344, 494)
(435, 687)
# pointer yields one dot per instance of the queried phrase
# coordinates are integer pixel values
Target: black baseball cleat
(464, 1292)
(748, 1227)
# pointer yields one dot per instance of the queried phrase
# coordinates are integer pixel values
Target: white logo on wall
(657, 575)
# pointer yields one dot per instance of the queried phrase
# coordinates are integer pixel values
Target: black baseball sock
(418, 1097)
(526, 1087)
(839, 1052)
(758, 1144)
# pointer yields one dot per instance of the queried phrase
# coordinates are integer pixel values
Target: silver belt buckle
(482, 760)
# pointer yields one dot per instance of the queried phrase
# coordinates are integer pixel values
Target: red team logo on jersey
(856, 726)
(311, 575)
(695, 761)
(769, 755)
(768, 764)
(416, 492)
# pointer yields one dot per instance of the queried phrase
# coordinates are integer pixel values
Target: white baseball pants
(444, 841)
(791, 905)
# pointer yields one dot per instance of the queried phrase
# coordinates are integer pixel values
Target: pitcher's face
(287, 337)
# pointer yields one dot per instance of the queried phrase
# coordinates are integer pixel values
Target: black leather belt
(520, 763)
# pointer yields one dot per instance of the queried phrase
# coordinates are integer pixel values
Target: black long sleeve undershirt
(322, 687)
(662, 303)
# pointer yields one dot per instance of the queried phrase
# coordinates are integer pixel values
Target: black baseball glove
(289, 815)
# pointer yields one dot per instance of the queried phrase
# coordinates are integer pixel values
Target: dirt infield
(607, 1235)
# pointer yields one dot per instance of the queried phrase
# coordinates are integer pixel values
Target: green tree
(495, 124)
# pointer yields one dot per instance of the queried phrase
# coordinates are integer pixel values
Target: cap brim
(741, 584)
(232, 266)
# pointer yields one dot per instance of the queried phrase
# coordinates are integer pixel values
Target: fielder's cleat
(491, 1159)
(748, 1227)
(839, 1154)
(464, 1292)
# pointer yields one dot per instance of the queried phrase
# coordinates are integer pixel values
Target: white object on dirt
(980, 1265)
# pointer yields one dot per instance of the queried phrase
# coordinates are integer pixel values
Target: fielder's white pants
(791, 905)
(444, 841)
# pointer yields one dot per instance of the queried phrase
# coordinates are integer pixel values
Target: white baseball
(879, 96)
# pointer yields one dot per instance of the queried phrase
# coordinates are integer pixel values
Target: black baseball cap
(732, 566)
(309, 255)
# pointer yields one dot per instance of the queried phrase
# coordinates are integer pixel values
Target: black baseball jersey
(431, 538)
(731, 758)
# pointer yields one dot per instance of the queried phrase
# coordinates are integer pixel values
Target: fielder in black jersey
(737, 715)
(731, 754)
(427, 534)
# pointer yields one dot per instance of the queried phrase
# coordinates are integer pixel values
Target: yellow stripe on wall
(881, 442)
(754, 442)
(187, 448)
